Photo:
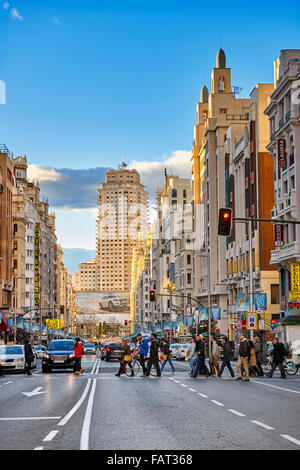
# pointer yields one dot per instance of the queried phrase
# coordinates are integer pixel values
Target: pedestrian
(244, 353)
(143, 346)
(153, 360)
(215, 355)
(252, 359)
(126, 358)
(1, 370)
(78, 356)
(193, 354)
(166, 356)
(227, 356)
(258, 353)
(200, 364)
(29, 356)
(279, 353)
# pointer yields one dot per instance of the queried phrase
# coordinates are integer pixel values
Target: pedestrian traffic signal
(225, 218)
(152, 296)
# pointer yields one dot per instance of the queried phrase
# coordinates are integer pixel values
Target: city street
(59, 411)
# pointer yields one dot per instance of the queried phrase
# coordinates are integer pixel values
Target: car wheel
(45, 369)
(107, 359)
(110, 306)
(101, 306)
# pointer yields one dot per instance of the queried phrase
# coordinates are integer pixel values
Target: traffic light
(125, 322)
(225, 218)
(152, 296)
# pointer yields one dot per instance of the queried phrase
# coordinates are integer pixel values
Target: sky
(88, 80)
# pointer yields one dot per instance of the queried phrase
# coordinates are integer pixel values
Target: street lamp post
(16, 278)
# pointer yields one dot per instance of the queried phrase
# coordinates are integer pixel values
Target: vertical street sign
(37, 268)
(281, 153)
(251, 321)
(278, 230)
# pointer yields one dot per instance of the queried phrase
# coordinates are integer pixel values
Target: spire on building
(221, 59)
(124, 164)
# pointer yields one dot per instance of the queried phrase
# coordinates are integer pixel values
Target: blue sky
(88, 80)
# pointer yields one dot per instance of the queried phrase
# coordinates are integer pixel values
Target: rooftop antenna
(124, 164)
(221, 40)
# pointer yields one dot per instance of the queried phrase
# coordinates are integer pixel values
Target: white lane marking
(50, 436)
(39, 448)
(183, 385)
(6, 383)
(30, 418)
(263, 425)
(76, 406)
(177, 381)
(84, 442)
(236, 412)
(192, 390)
(94, 366)
(98, 367)
(217, 402)
(292, 439)
(37, 371)
(275, 386)
(36, 391)
(202, 395)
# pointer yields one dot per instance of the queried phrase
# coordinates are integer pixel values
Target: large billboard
(95, 307)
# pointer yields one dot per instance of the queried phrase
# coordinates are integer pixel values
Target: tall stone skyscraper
(122, 221)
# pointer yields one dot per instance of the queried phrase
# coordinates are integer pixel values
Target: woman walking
(215, 355)
(78, 356)
(193, 355)
(258, 353)
(126, 358)
(252, 359)
(166, 356)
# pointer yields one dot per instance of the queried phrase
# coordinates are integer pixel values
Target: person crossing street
(143, 351)
(227, 355)
(78, 355)
(153, 360)
(166, 356)
(244, 354)
(279, 353)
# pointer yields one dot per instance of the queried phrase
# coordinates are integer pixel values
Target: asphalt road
(59, 411)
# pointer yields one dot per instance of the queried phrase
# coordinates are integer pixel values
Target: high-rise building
(284, 145)
(122, 221)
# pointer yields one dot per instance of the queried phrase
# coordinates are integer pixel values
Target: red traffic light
(152, 296)
(225, 217)
(125, 322)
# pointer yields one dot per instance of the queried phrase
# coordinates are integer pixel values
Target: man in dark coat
(153, 360)
(278, 358)
(200, 353)
(28, 356)
(227, 356)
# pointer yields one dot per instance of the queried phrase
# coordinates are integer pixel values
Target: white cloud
(15, 14)
(152, 173)
(6, 5)
(43, 173)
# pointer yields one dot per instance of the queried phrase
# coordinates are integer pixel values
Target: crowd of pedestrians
(248, 362)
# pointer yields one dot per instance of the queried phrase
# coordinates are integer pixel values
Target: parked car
(182, 351)
(12, 358)
(59, 355)
(112, 302)
(89, 348)
(113, 351)
(173, 349)
(39, 351)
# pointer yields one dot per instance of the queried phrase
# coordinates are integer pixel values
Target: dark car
(113, 351)
(59, 355)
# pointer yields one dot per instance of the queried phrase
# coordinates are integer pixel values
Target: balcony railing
(4, 149)
(281, 122)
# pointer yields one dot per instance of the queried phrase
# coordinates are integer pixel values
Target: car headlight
(46, 356)
(71, 356)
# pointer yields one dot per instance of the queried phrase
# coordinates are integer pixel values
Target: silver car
(39, 351)
(182, 352)
(173, 349)
(12, 358)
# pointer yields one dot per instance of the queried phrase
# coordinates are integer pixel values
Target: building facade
(283, 112)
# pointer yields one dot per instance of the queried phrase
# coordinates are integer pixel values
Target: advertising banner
(174, 325)
(189, 321)
(56, 323)
(203, 314)
(10, 323)
(295, 277)
(20, 323)
(96, 307)
(242, 302)
(216, 313)
(37, 267)
(260, 301)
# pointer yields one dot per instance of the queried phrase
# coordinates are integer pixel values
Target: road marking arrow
(34, 392)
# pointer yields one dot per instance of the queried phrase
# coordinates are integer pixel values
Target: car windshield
(61, 346)
(89, 346)
(174, 345)
(11, 350)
